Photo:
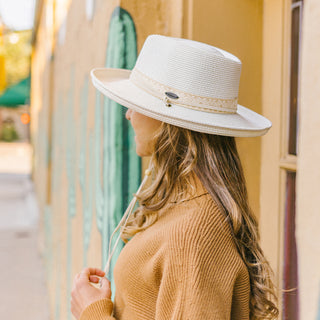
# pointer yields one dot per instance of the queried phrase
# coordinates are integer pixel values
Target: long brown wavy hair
(178, 154)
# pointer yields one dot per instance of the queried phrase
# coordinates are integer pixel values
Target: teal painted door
(121, 166)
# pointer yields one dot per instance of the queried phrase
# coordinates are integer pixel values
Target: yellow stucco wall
(40, 102)
(236, 26)
(155, 17)
(271, 217)
(308, 172)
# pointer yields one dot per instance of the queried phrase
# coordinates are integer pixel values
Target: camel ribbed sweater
(184, 266)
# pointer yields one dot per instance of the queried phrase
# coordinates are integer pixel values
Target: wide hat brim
(115, 84)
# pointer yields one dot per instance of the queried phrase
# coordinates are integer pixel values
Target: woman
(193, 251)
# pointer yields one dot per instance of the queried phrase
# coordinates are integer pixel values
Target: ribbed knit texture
(98, 310)
(185, 266)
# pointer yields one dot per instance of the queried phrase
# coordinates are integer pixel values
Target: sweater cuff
(97, 310)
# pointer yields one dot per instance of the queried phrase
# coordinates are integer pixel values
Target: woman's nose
(128, 114)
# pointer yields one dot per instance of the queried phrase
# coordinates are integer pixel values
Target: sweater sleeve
(98, 310)
(199, 272)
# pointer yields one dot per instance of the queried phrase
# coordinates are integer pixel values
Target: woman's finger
(94, 279)
(106, 287)
(86, 272)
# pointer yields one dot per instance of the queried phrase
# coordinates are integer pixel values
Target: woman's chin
(142, 152)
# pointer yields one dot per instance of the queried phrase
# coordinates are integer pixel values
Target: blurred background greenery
(15, 54)
(15, 61)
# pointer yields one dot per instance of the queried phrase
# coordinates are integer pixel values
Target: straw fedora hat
(185, 83)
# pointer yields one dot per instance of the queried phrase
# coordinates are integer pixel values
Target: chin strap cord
(125, 219)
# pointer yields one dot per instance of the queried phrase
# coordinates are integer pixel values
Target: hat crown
(190, 66)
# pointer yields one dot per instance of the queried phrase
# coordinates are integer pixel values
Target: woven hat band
(173, 96)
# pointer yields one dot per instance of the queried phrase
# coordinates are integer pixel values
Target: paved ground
(23, 293)
(15, 157)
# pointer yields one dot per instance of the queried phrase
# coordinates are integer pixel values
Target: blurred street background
(23, 290)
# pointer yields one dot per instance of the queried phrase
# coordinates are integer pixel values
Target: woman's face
(144, 128)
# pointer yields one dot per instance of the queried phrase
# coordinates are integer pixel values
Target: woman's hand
(84, 293)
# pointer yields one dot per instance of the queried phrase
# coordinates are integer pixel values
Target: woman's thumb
(105, 286)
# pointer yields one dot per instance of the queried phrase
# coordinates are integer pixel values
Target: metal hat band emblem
(171, 95)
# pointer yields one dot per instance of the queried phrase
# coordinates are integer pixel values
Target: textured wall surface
(85, 166)
(308, 179)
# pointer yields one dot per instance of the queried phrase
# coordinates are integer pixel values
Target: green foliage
(9, 133)
(16, 49)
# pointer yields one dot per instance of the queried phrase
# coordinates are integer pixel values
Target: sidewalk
(23, 292)
(15, 157)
